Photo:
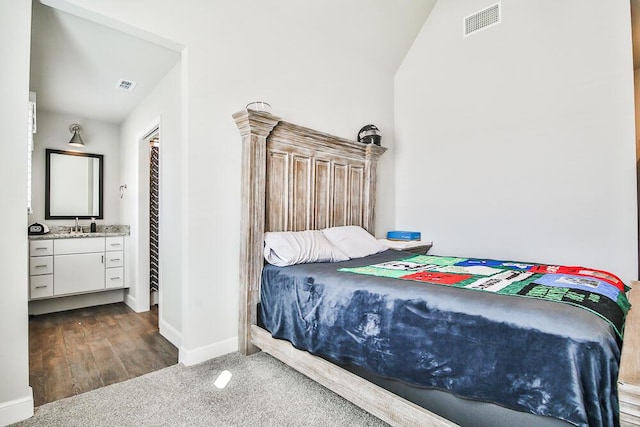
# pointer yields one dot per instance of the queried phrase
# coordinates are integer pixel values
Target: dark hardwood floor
(75, 351)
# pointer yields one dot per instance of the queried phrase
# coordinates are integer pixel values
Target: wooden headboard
(294, 179)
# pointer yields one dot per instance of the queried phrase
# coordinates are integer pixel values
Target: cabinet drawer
(115, 243)
(39, 265)
(115, 278)
(41, 286)
(114, 259)
(40, 247)
(78, 245)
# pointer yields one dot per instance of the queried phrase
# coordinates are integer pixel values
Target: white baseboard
(169, 332)
(16, 410)
(132, 302)
(53, 305)
(192, 357)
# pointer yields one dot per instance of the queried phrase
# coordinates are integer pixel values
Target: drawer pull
(41, 286)
(115, 278)
(115, 244)
(115, 259)
(41, 249)
(41, 265)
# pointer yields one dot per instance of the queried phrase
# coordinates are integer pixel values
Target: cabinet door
(78, 273)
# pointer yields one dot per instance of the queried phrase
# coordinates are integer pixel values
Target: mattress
(532, 356)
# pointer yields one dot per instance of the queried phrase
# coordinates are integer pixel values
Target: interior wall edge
(98, 18)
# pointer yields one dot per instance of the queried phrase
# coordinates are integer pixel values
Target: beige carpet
(262, 392)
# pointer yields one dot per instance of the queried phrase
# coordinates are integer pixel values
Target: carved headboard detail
(315, 181)
(295, 178)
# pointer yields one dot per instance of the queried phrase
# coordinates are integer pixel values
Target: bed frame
(295, 178)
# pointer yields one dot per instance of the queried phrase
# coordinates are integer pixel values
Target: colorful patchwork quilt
(595, 290)
(525, 336)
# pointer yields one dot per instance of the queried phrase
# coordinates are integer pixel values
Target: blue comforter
(530, 355)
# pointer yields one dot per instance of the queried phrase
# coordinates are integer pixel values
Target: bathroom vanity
(73, 270)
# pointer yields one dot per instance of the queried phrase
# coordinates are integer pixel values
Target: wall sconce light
(76, 139)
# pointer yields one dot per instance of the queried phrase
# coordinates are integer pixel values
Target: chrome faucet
(77, 228)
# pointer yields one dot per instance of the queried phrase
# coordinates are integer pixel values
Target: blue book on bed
(403, 235)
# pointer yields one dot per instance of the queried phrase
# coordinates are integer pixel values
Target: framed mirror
(73, 185)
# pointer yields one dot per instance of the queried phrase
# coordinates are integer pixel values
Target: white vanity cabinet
(69, 266)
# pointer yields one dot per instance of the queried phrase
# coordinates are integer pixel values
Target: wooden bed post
(254, 128)
(373, 154)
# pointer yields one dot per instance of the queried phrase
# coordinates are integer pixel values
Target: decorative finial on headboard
(252, 122)
(259, 106)
(369, 134)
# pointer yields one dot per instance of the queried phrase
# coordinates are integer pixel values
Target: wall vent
(481, 20)
(125, 84)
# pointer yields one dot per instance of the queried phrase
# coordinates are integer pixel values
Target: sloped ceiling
(76, 63)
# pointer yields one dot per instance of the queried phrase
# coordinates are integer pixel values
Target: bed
(295, 179)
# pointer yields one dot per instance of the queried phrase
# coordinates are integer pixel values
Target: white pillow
(353, 241)
(296, 247)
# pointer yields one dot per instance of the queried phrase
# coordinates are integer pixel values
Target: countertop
(62, 232)
(75, 235)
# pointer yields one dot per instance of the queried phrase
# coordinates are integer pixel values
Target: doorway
(154, 217)
(78, 350)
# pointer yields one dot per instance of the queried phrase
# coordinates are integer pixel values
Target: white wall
(636, 83)
(16, 400)
(99, 138)
(162, 106)
(237, 52)
(518, 142)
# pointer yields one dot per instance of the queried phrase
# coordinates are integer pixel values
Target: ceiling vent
(481, 20)
(126, 84)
